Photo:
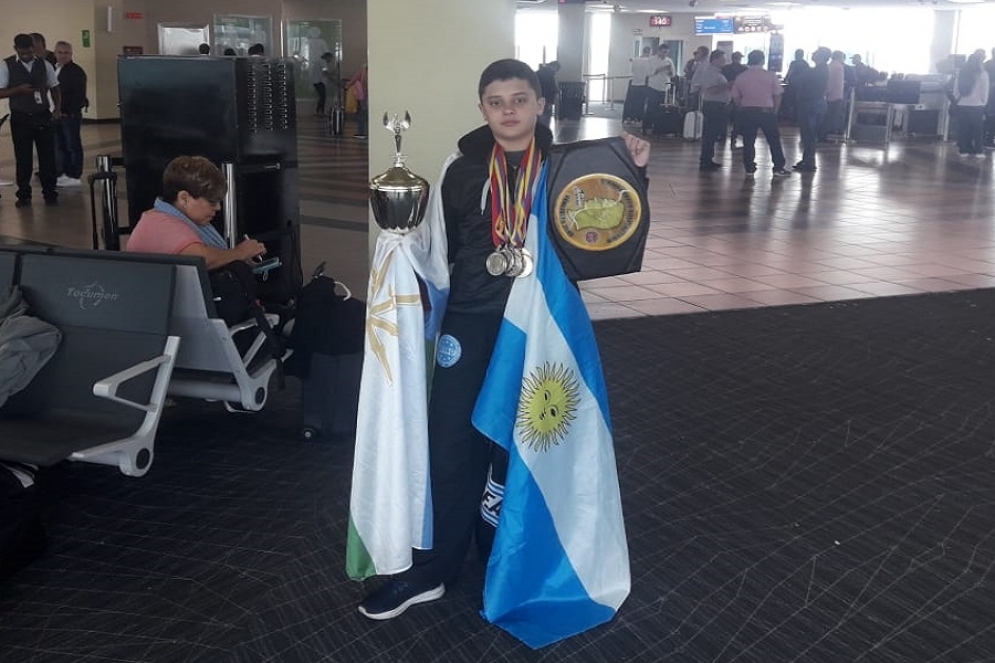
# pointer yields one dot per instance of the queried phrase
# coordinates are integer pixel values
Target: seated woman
(180, 221)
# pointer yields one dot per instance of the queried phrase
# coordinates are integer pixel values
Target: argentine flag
(390, 506)
(560, 563)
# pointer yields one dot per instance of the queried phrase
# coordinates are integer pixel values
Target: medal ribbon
(509, 216)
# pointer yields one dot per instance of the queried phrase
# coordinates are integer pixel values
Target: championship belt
(598, 208)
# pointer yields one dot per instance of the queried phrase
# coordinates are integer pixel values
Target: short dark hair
(755, 57)
(257, 49)
(716, 55)
(230, 51)
(736, 56)
(504, 70)
(195, 175)
(38, 37)
(23, 41)
(204, 49)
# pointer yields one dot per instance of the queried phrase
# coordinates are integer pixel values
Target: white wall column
(426, 57)
(944, 33)
(570, 42)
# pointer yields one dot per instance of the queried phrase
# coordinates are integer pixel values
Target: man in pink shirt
(757, 95)
(832, 121)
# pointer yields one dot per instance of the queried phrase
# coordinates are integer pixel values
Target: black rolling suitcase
(670, 122)
(327, 339)
(336, 121)
(330, 395)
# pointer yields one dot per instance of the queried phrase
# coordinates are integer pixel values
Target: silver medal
(528, 264)
(497, 262)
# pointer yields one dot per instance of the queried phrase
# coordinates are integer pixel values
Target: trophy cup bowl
(398, 196)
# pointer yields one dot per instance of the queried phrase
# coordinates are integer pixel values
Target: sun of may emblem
(547, 406)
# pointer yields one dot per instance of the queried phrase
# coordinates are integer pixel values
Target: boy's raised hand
(639, 149)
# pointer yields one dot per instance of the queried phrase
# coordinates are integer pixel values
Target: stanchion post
(230, 205)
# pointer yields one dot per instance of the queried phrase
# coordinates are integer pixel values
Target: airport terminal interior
(800, 379)
(907, 218)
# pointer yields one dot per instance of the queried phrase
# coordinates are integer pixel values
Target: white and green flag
(390, 510)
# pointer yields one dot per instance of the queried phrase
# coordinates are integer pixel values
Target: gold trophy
(397, 195)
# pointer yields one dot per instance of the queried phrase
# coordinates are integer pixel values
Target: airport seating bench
(100, 397)
(206, 360)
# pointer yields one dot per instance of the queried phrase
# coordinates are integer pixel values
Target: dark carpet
(808, 483)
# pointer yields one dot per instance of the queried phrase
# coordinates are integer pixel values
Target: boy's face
(511, 109)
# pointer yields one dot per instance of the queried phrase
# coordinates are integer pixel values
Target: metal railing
(607, 89)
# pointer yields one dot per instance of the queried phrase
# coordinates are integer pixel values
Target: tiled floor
(871, 222)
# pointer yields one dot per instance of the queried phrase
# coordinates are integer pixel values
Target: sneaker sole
(424, 597)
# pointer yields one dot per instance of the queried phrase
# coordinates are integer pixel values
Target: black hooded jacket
(468, 227)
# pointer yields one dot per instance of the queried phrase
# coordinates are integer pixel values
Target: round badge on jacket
(597, 212)
(448, 351)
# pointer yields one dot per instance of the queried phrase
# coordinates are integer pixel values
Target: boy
(506, 154)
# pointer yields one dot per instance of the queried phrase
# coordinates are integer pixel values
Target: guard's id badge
(598, 209)
(37, 97)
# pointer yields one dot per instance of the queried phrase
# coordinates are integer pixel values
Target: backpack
(325, 322)
(236, 299)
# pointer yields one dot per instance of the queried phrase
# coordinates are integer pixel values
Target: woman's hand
(249, 249)
(639, 149)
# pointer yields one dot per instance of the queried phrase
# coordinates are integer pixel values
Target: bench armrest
(107, 387)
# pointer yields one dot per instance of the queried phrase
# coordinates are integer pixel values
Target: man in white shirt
(635, 98)
(659, 80)
(832, 122)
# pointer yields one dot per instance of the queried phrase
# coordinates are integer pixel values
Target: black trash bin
(571, 103)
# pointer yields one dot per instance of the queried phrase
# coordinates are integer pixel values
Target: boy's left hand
(639, 149)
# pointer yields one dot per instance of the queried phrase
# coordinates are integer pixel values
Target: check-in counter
(915, 105)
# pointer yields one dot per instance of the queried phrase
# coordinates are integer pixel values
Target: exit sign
(134, 15)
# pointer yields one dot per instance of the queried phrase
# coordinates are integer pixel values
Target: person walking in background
(257, 49)
(359, 86)
(731, 71)
(319, 78)
(972, 94)
(832, 122)
(41, 48)
(26, 82)
(811, 85)
(203, 49)
(797, 66)
(72, 84)
(550, 89)
(635, 98)
(698, 60)
(661, 69)
(713, 87)
(757, 95)
(989, 141)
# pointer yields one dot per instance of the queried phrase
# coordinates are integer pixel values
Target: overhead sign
(752, 24)
(660, 21)
(711, 25)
